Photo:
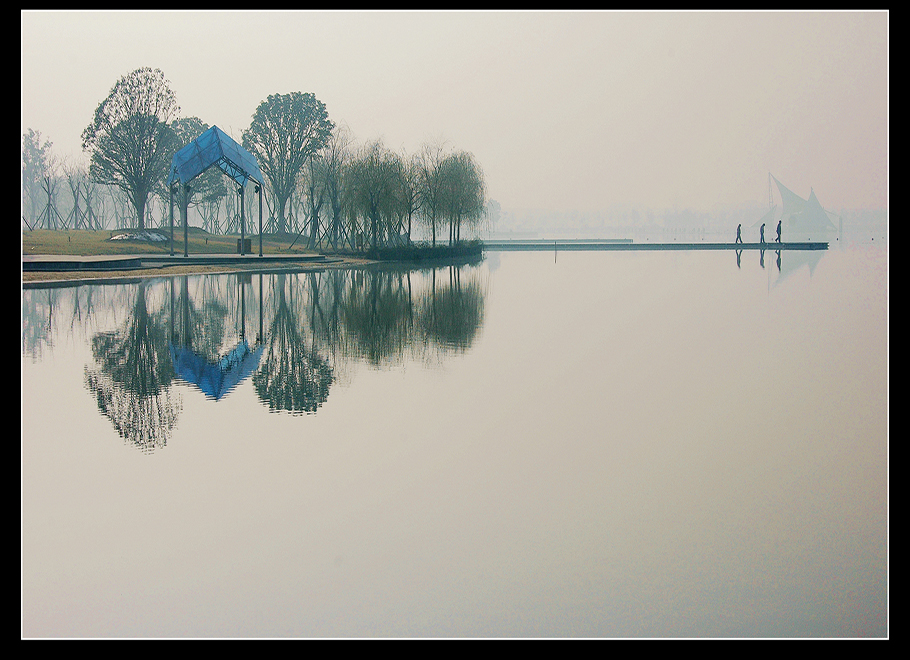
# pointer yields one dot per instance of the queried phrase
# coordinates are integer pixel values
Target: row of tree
(344, 195)
(374, 195)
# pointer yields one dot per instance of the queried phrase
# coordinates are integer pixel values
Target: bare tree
(36, 161)
(49, 182)
(76, 176)
(93, 219)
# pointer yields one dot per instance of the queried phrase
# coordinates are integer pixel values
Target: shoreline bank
(89, 256)
(31, 279)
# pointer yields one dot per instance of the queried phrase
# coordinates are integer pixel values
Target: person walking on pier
(762, 234)
(778, 231)
(739, 233)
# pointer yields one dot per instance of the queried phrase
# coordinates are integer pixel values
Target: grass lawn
(89, 243)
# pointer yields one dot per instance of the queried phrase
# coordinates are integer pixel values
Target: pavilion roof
(214, 147)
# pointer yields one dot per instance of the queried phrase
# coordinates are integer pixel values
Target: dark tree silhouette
(130, 139)
(286, 132)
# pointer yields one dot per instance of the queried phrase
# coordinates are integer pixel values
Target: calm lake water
(572, 444)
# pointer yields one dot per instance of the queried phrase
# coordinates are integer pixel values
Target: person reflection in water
(778, 231)
(762, 234)
(739, 233)
(739, 254)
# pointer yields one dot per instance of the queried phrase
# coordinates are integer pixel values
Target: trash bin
(247, 245)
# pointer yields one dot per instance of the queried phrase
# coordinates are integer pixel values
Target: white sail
(815, 216)
(791, 203)
(802, 216)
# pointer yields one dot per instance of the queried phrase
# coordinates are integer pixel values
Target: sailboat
(798, 216)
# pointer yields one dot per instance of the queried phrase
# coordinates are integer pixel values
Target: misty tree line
(320, 185)
(62, 195)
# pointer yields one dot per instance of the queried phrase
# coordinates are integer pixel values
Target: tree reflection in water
(132, 378)
(292, 376)
(377, 316)
(452, 315)
(311, 325)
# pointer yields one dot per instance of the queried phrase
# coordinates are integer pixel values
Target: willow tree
(286, 132)
(430, 181)
(375, 175)
(410, 190)
(129, 139)
(463, 195)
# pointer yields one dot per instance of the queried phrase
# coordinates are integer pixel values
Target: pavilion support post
(242, 220)
(184, 212)
(170, 195)
(259, 192)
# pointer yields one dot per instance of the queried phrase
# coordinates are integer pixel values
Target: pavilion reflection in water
(191, 331)
(216, 379)
(214, 374)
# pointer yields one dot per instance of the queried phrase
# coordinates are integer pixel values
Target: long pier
(629, 245)
(142, 261)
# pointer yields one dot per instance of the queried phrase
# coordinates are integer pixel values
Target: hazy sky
(563, 110)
